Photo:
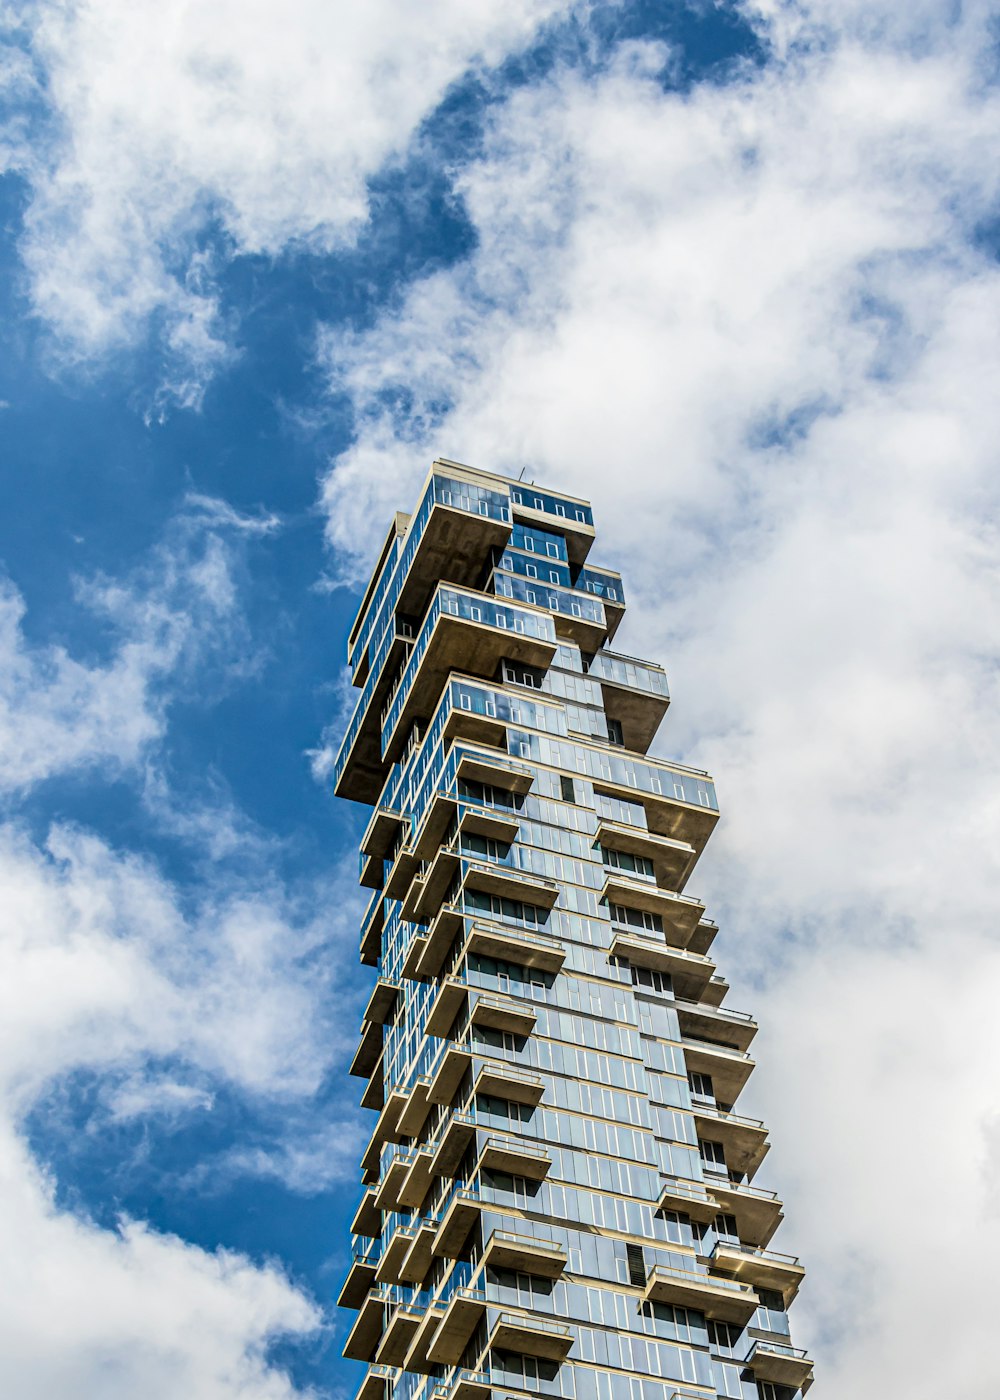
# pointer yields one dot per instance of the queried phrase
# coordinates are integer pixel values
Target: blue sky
(728, 270)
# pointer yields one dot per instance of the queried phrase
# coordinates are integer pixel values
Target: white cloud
(180, 609)
(138, 1312)
(162, 996)
(754, 324)
(103, 970)
(165, 123)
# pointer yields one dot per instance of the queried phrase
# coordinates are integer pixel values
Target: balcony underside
(523, 1255)
(496, 770)
(420, 1255)
(549, 1341)
(453, 1332)
(690, 973)
(458, 644)
(690, 1198)
(516, 946)
(517, 1156)
(666, 815)
(758, 1213)
(776, 1272)
(680, 914)
(731, 1028)
(729, 1069)
(744, 1139)
(781, 1365)
(735, 1303)
(453, 1144)
(357, 1285)
(672, 860)
(639, 713)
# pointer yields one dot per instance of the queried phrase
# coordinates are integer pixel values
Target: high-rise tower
(558, 1195)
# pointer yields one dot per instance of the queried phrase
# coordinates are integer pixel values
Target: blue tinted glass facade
(559, 1193)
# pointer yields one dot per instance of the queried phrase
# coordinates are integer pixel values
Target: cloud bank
(758, 324)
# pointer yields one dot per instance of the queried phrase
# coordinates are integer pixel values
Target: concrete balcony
(381, 833)
(500, 1013)
(453, 1144)
(503, 1081)
(506, 1250)
(509, 882)
(450, 1000)
(718, 1299)
(374, 1094)
(689, 1198)
(366, 1333)
(417, 1358)
(757, 1212)
(703, 937)
(515, 945)
(414, 1114)
(367, 1218)
(496, 1012)
(728, 1069)
(426, 894)
(372, 924)
(394, 1254)
(672, 860)
(401, 873)
(761, 1268)
(457, 643)
(494, 823)
(417, 1181)
(387, 1191)
(690, 973)
(457, 1221)
(449, 1073)
(404, 1320)
(716, 991)
(639, 712)
(516, 1156)
(382, 1002)
(744, 1140)
(385, 1130)
(462, 1314)
(452, 546)
(377, 1383)
(420, 1255)
(679, 912)
(359, 1281)
(531, 1336)
(669, 814)
(434, 824)
(496, 770)
(588, 633)
(780, 1365)
(369, 1051)
(414, 952)
(722, 1025)
(474, 725)
(470, 1385)
(444, 929)
(359, 771)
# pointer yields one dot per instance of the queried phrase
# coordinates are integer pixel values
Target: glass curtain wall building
(558, 1190)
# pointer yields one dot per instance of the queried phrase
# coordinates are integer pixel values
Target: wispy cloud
(178, 611)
